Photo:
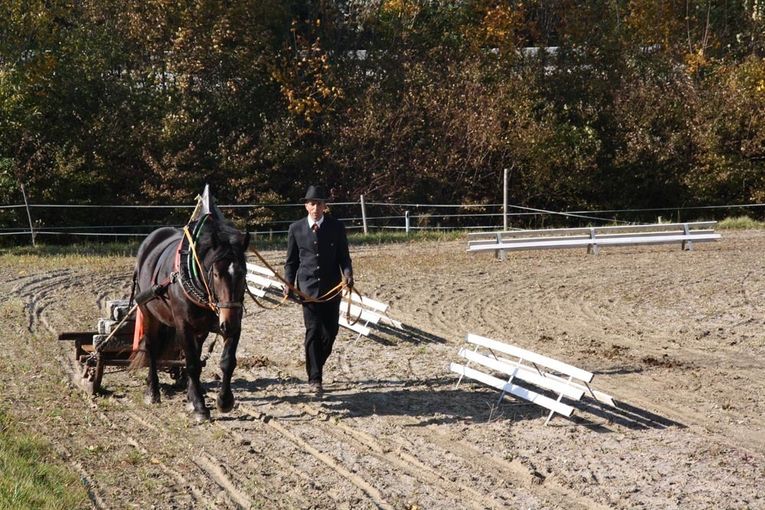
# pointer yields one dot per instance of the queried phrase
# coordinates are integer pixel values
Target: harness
(195, 281)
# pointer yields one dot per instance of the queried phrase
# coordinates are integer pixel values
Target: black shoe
(317, 389)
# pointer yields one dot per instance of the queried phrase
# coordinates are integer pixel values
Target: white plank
(531, 357)
(367, 316)
(365, 301)
(657, 240)
(598, 395)
(259, 269)
(543, 231)
(600, 241)
(514, 389)
(692, 225)
(602, 397)
(391, 322)
(257, 291)
(660, 234)
(525, 373)
(358, 328)
(483, 244)
(573, 243)
(262, 282)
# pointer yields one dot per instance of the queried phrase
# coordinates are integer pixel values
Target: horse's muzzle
(229, 318)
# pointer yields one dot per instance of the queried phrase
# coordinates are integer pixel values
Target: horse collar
(195, 288)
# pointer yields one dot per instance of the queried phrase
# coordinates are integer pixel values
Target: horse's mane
(222, 237)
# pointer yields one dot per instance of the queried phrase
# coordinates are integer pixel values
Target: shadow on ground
(437, 401)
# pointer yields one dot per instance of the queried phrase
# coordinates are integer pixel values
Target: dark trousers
(320, 332)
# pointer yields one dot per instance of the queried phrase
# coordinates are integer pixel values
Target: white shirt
(311, 222)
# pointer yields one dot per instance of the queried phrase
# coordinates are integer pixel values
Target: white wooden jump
(593, 237)
(260, 279)
(368, 311)
(528, 367)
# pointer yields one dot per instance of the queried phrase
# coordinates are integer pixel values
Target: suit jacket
(317, 261)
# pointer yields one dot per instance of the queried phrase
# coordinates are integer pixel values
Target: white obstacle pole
(29, 214)
(504, 204)
(363, 214)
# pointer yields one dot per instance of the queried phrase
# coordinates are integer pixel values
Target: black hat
(315, 193)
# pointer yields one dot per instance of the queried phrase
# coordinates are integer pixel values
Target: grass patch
(31, 477)
(740, 223)
(260, 241)
(86, 249)
(279, 242)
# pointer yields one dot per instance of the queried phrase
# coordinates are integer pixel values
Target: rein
(327, 296)
(211, 301)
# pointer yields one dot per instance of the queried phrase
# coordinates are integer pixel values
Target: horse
(190, 282)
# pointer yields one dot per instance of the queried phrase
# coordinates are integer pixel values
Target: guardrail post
(592, 248)
(687, 243)
(406, 222)
(499, 254)
(363, 215)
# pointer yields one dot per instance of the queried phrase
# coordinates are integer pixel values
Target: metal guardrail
(593, 237)
(56, 220)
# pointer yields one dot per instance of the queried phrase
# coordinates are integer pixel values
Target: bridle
(217, 303)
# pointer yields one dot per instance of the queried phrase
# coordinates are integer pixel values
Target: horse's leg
(225, 400)
(152, 344)
(192, 350)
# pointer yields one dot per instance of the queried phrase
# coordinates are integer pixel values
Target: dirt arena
(678, 338)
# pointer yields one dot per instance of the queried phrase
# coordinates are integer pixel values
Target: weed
(741, 223)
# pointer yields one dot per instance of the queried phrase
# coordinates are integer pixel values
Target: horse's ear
(246, 240)
(214, 240)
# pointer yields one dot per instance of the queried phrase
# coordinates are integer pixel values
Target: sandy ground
(678, 338)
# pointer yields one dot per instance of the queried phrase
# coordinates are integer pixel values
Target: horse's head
(224, 261)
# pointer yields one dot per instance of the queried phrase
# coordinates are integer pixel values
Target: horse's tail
(155, 339)
(140, 356)
(132, 289)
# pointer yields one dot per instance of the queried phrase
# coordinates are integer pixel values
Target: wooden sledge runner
(91, 357)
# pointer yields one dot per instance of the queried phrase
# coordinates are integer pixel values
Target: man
(317, 259)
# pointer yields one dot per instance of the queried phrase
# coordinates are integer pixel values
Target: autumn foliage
(604, 104)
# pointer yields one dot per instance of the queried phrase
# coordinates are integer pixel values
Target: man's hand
(349, 281)
(286, 293)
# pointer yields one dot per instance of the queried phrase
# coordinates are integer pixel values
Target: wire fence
(70, 222)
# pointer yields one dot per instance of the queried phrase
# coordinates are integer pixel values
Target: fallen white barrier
(364, 312)
(528, 367)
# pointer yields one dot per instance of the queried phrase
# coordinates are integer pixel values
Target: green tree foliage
(611, 103)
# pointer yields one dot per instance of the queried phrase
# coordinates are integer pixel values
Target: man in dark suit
(317, 260)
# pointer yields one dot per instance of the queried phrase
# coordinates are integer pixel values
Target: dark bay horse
(190, 284)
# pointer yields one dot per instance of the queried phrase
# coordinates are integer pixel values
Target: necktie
(315, 227)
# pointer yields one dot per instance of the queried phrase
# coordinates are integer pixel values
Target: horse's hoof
(151, 398)
(201, 417)
(225, 404)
